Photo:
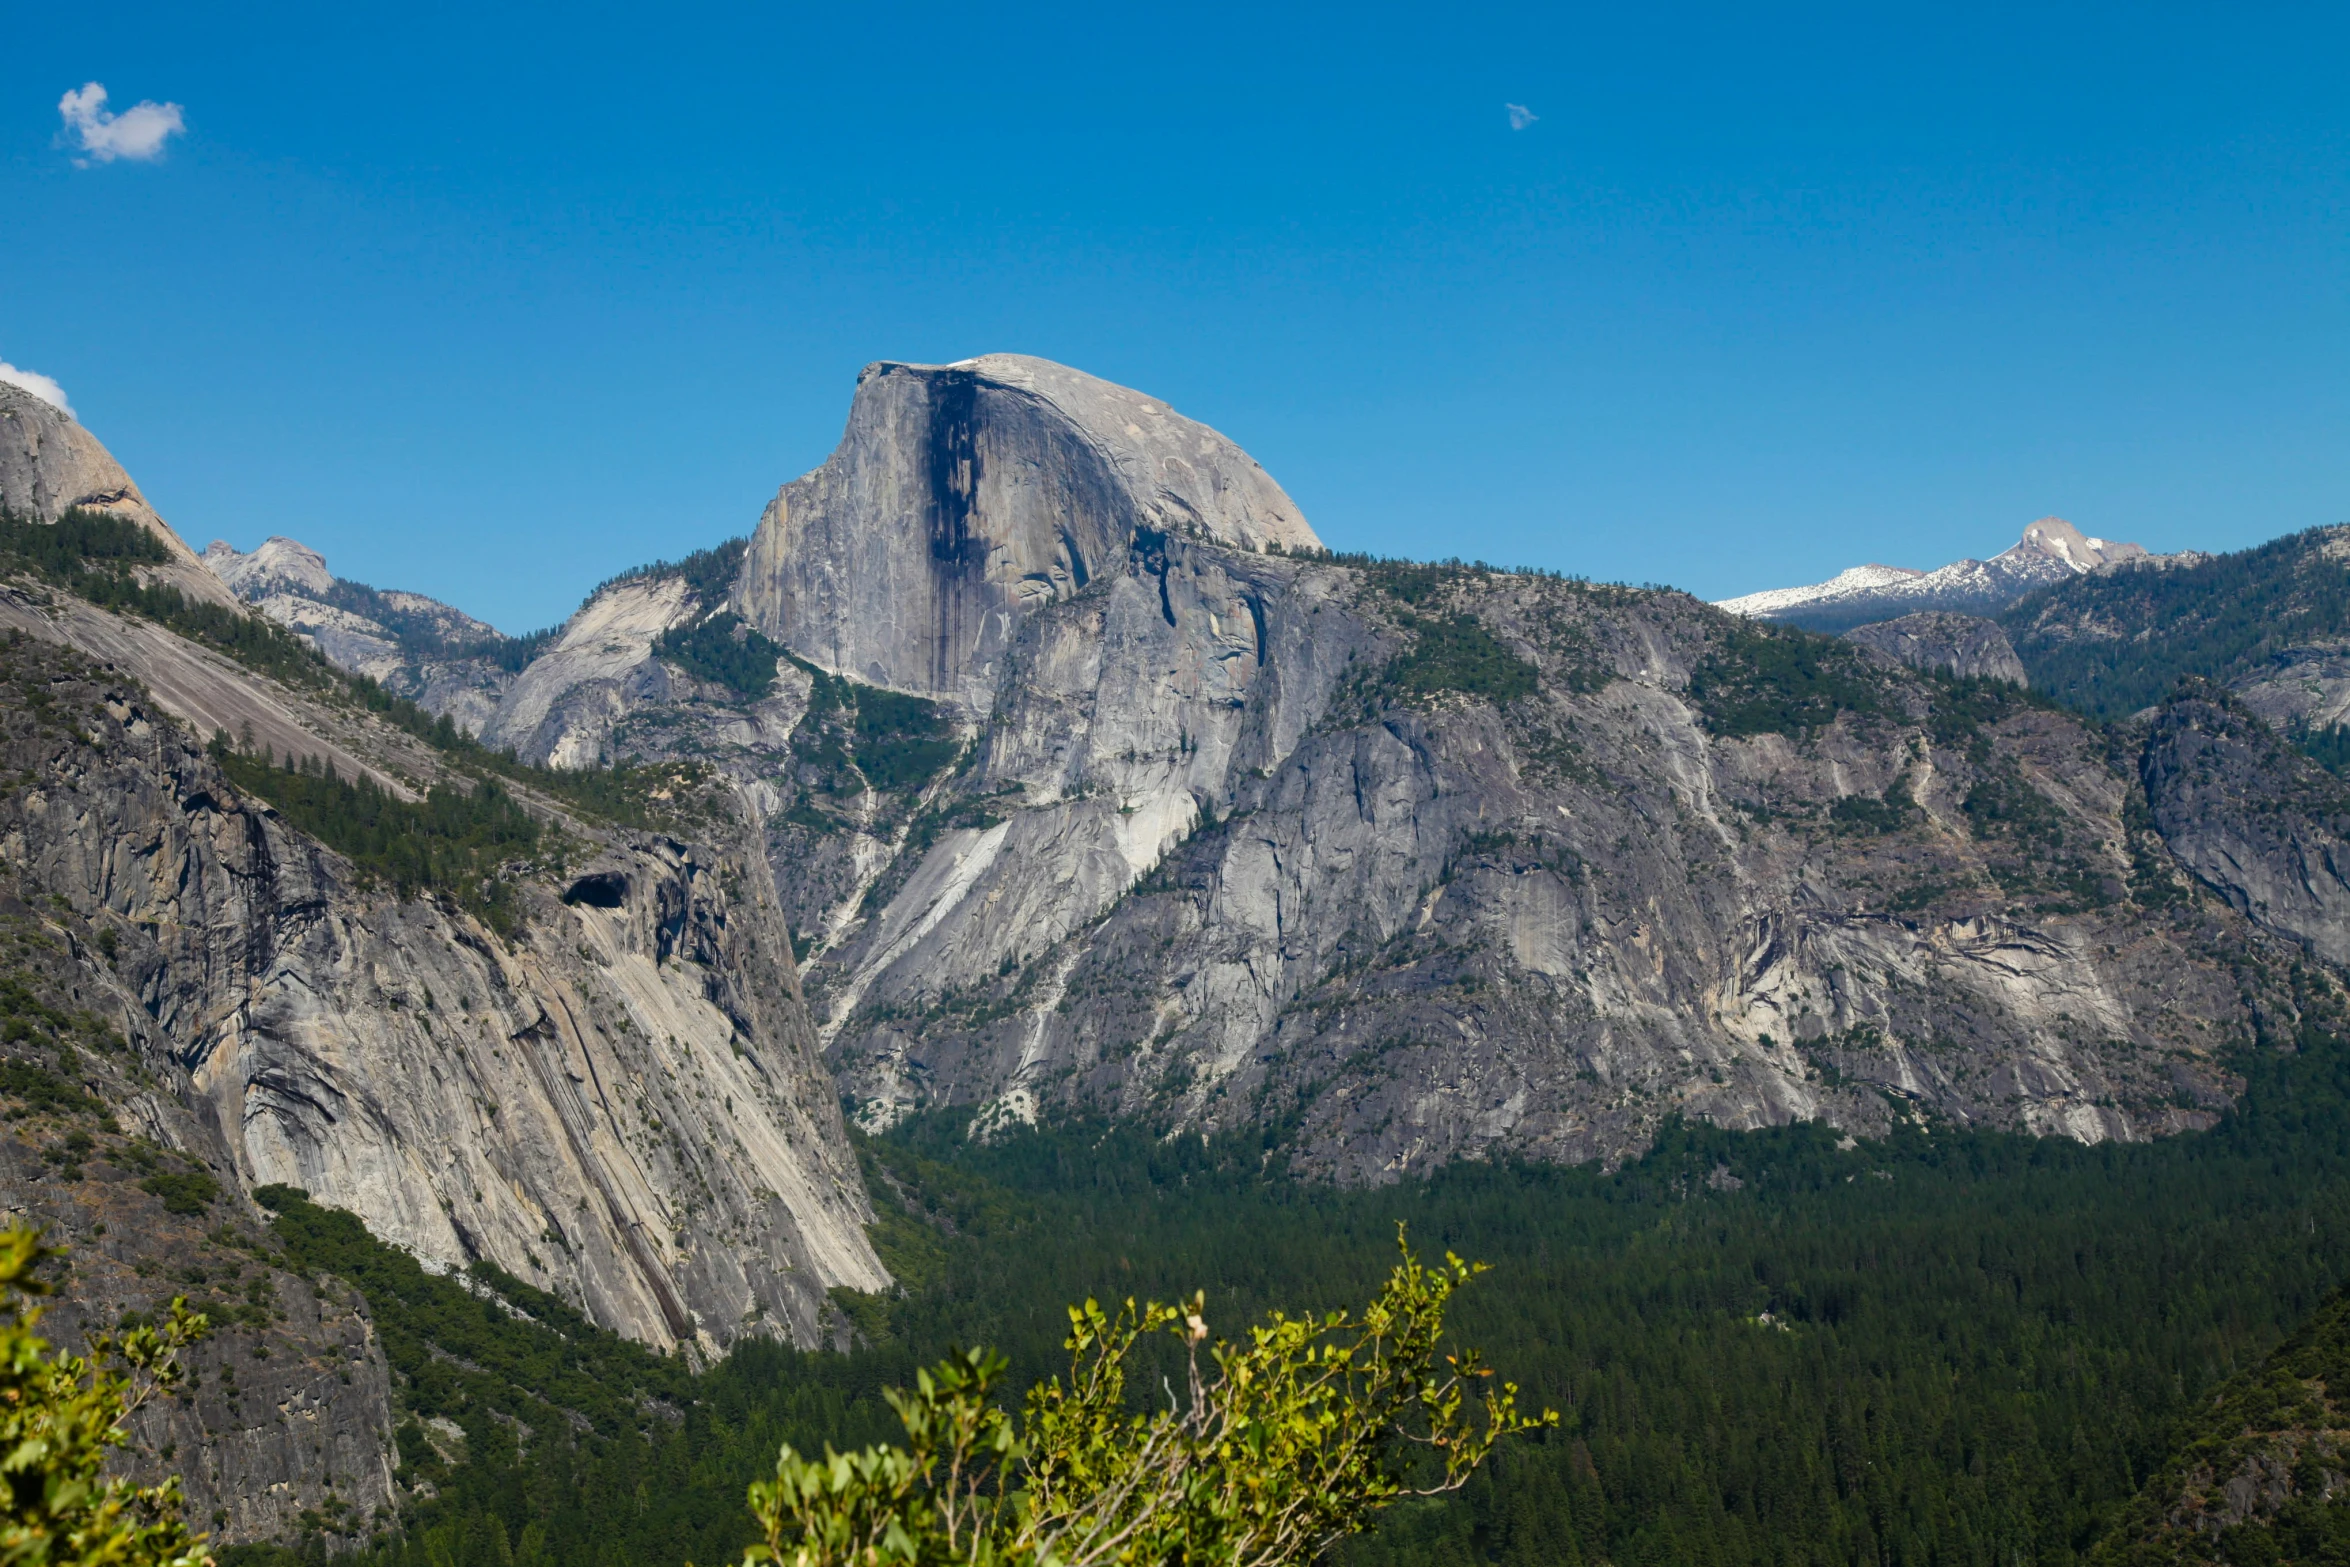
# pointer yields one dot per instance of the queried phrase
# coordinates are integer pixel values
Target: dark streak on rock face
(953, 462)
(958, 551)
(965, 497)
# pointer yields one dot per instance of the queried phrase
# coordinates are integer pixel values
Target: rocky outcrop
(286, 1410)
(2258, 1471)
(1963, 645)
(561, 710)
(964, 497)
(1410, 863)
(279, 565)
(620, 1104)
(50, 465)
(2262, 824)
(437, 656)
(1248, 869)
(2304, 687)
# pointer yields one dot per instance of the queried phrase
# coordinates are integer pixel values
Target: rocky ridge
(50, 465)
(1411, 864)
(286, 1410)
(416, 647)
(2051, 550)
(612, 1094)
(645, 1129)
(1966, 646)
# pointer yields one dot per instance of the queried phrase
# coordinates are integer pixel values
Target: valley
(1029, 864)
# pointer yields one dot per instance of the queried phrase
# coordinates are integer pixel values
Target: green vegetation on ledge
(453, 842)
(1457, 653)
(2114, 642)
(857, 736)
(1762, 679)
(724, 651)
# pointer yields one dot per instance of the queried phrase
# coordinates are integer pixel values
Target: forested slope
(2270, 621)
(1949, 1347)
(2262, 1468)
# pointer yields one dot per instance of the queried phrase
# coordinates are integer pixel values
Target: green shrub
(1457, 653)
(724, 651)
(1760, 679)
(64, 1420)
(42, 1089)
(183, 1191)
(1866, 813)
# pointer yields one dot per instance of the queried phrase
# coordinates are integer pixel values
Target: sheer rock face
(622, 1104)
(2262, 824)
(964, 497)
(49, 465)
(1232, 870)
(1962, 645)
(288, 1401)
(561, 710)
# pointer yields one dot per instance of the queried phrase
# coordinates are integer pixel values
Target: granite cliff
(1402, 864)
(1032, 758)
(593, 1072)
(965, 496)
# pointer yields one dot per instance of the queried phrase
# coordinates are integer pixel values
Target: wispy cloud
(1520, 116)
(138, 133)
(41, 386)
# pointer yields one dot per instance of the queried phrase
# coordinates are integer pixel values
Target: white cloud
(41, 386)
(1520, 116)
(138, 133)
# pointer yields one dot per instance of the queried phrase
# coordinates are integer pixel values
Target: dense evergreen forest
(1945, 1348)
(2112, 643)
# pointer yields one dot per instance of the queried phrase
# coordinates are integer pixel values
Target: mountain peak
(2050, 550)
(278, 562)
(2053, 538)
(51, 464)
(963, 496)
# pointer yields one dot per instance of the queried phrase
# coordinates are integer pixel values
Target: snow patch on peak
(1851, 580)
(2050, 550)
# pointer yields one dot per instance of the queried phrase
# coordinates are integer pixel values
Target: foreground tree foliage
(1278, 1447)
(59, 1419)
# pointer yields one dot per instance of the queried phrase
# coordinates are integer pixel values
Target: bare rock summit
(965, 496)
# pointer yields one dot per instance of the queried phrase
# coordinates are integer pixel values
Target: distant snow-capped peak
(2050, 550)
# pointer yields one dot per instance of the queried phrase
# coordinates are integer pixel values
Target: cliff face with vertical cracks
(619, 1102)
(1402, 864)
(611, 1092)
(1410, 864)
(964, 496)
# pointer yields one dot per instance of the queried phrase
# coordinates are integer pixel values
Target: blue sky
(492, 302)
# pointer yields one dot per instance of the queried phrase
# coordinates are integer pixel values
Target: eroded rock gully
(621, 1104)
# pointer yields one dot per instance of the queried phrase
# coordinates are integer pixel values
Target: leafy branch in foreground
(60, 1418)
(1283, 1445)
